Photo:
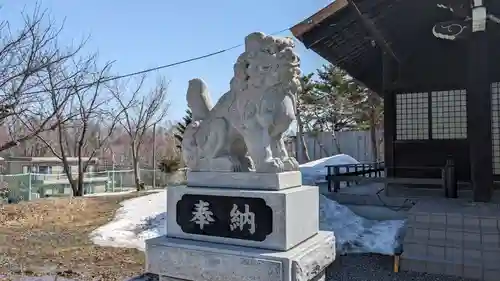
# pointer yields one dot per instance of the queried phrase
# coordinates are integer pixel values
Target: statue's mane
(264, 54)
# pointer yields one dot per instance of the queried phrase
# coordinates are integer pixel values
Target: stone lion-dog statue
(243, 132)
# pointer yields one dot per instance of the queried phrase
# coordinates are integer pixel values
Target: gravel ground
(376, 267)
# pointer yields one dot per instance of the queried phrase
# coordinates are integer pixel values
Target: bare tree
(301, 147)
(86, 121)
(26, 56)
(142, 110)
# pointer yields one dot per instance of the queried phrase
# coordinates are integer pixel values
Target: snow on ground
(315, 171)
(143, 277)
(138, 219)
(144, 217)
(355, 234)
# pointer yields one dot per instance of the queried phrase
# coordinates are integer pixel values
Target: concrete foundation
(289, 246)
(173, 258)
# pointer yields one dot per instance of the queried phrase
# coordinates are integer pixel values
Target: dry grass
(51, 236)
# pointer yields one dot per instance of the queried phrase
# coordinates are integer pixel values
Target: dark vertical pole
(336, 183)
(389, 115)
(450, 180)
(154, 156)
(479, 117)
(329, 178)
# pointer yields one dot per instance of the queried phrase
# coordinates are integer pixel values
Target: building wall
(435, 123)
(429, 128)
(495, 126)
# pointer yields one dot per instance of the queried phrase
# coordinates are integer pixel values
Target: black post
(449, 183)
(479, 116)
(347, 171)
(336, 183)
(450, 180)
(329, 178)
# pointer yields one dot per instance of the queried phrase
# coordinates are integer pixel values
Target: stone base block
(290, 215)
(267, 181)
(173, 258)
(320, 277)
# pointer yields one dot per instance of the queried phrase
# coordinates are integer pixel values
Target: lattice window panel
(412, 116)
(495, 126)
(449, 114)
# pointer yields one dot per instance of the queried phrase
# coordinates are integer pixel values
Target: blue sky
(143, 34)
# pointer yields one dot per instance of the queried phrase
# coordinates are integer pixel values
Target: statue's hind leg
(239, 153)
(215, 148)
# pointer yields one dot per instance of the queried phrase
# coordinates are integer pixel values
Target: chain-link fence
(29, 186)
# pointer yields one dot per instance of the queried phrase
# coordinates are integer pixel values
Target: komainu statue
(243, 132)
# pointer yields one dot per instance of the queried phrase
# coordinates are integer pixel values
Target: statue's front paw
(247, 164)
(290, 164)
(237, 167)
(275, 165)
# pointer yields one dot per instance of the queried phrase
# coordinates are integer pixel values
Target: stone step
(453, 268)
(487, 258)
(452, 244)
(451, 226)
(453, 237)
(456, 213)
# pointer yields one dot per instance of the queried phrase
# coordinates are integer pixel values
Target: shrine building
(435, 65)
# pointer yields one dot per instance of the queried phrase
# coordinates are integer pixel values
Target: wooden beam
(479, 116)
(373, 31)
(299, 29)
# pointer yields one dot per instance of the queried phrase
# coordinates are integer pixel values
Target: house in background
(45, 176)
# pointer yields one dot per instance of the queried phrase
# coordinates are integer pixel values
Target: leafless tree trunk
(301, 147)
(375, 115)
(373, 135)
(142, 110)
(25, 57)
(87, 121)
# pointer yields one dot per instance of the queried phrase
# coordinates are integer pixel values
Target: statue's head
(267, 61)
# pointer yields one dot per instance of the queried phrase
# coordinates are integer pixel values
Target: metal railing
(29, 186)
(378, 173)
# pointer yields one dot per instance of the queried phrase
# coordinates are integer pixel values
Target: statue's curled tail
(198, 99)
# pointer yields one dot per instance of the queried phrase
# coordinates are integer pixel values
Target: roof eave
(306, 25)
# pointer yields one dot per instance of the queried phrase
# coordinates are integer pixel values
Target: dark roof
(421, 61)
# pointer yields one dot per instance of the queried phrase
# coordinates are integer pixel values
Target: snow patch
(355, 234)
(137, 220)
(142, 218)
(315, 171)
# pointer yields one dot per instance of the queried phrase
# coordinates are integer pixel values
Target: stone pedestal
(242, 226)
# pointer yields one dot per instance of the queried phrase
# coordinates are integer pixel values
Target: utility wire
(158, 67)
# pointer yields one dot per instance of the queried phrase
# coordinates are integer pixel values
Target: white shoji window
(412, 116)
(495, 126)
(449, 114)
